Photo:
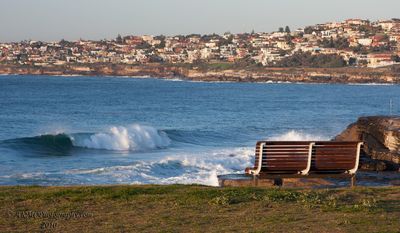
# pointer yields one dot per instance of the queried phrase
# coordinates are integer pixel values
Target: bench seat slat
(328, 152)
(334, 146)
(285, 159)
(285, 151)
(294, 155)
(333, 156)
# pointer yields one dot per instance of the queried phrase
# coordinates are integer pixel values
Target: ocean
(116, 130)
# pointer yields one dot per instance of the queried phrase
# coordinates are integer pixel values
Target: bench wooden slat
(281, 143)
(286, 158)
(287, 155)
(335, 157)
(285, 151)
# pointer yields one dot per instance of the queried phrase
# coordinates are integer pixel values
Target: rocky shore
(228, 72)
(381, 137)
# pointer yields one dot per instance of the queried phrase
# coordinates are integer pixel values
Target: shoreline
(176, 79)
(184, 72)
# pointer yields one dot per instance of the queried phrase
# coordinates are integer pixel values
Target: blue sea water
(113, 130)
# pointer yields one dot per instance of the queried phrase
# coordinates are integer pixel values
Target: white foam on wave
(184, 168)
(134, 138)
(371, 84)
(294, 135)
(172, 79)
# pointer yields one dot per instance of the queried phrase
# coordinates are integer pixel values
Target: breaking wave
(131, 138)
(134, 138)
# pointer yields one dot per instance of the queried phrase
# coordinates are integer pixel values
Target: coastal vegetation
(192, 208)
(301, 59)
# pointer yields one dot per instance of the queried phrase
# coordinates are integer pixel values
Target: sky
(53, 20)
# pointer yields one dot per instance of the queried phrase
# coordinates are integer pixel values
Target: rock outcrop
(208, 73)
(381, 137)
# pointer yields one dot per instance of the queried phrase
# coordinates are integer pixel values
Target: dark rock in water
(381, 137)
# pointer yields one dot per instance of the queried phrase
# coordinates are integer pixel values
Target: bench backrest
(335, 156)
(290, 157)
(305, 156)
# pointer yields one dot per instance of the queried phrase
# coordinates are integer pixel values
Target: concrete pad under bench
(241, 180)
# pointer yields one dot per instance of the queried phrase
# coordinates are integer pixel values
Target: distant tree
(308, 30)
(396, 58)
(281, 29)
(160, 37)
(331, 43)
(143, 45)
(287, 29)
(252, 32)
(340, 43)
(119, 39)
(155, 59)
(363, 63)
(63, 42)
(380, 49)
(306, 59)
(161, 45)
(224, 41)
(352, 61)
(193, 35)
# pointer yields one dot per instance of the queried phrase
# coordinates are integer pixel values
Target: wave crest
(134, 138)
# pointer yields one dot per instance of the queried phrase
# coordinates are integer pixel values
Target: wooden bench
(305, 159)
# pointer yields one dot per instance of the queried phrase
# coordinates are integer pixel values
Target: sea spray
(133, 138)
(294, 135)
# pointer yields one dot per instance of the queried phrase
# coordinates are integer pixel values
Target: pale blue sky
(97, 19)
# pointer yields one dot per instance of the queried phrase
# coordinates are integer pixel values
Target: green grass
(191, 208)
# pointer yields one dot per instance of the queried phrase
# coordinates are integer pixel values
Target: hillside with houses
(351, 43)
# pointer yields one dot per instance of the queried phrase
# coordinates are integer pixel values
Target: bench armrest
(353, 171)
(256, 170)
(305, 171)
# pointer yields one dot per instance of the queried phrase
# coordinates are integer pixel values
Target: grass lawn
(183, 208)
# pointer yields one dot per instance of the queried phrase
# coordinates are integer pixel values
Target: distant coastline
(219, 73)
(352, 51)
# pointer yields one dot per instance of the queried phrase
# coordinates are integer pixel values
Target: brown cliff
(211, 73)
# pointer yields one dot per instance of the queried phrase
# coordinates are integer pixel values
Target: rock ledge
(381, 137)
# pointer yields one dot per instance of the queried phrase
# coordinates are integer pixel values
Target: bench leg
(278, 182)
(255, 181)
(353, 181)
(221, 183)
